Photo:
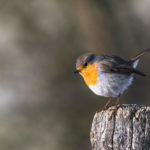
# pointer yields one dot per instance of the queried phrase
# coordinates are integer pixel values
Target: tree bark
(128, 129)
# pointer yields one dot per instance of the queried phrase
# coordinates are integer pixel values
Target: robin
(108, 75)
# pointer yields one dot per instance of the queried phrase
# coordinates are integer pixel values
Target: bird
(108, 75)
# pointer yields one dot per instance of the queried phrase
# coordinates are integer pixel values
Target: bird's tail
(133, 59)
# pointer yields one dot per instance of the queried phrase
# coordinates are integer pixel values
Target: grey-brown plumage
(112, 63)
(114, 74)
(115, 64)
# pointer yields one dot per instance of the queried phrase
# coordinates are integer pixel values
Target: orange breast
(90, 74)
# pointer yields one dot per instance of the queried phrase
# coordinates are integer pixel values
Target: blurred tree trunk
(129, 129)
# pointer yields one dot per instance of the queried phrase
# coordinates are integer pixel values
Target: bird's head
(83, 61)
(86, 67)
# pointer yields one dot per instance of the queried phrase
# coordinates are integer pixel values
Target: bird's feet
(106, 107)
(114, 111)
(107, 104)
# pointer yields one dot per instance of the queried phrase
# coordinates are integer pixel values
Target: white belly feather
(112, 84)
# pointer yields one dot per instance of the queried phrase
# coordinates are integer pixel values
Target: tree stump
(128, 129)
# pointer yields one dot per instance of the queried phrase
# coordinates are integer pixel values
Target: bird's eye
(85, 64)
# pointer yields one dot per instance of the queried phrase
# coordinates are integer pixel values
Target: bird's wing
(115, 64)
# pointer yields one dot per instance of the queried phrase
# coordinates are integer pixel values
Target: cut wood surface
(128, 129)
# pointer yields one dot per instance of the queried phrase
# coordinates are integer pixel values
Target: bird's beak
(77, 71)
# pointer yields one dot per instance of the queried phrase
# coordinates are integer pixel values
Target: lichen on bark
(128, 129)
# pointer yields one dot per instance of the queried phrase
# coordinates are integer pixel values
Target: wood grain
(128, 129)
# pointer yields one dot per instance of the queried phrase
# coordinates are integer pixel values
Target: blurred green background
(43, 105)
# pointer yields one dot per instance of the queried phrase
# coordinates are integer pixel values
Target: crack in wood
(129, 129)
(113, 129)
(132, 116)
